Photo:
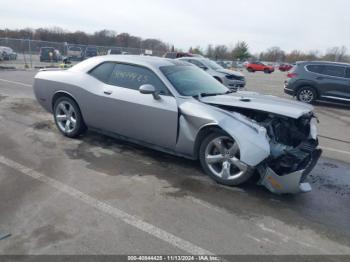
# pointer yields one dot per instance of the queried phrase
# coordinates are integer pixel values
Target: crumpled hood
(230, 72)
(260, 102)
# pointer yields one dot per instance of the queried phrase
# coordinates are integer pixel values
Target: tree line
(240, 51)
(100, 38)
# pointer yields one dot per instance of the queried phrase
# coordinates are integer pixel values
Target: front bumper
(292, 183)
(234, 84)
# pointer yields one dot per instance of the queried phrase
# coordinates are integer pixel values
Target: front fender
(253, 144)
(251, 138)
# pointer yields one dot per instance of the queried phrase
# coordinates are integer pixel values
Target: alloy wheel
(306, 95)
(222, 158)
(66, 117)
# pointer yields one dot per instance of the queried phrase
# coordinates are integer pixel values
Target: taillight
(291, 75)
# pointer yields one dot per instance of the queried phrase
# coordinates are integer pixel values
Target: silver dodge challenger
(175, 107)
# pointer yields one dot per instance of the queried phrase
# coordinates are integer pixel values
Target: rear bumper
(288, 90)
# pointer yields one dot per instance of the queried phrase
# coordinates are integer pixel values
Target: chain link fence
(26, 53)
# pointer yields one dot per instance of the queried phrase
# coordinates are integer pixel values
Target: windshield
(191, 81)
(213, 65)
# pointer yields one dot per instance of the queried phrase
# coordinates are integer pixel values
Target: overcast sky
(297, 24)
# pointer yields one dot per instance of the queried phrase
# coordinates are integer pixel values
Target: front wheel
(250, 70)
(68, 117)
(219, 155)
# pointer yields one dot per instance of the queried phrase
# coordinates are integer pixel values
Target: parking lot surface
(98, 195)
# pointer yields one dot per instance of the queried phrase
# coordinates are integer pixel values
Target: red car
(285, 67)
(258, 66)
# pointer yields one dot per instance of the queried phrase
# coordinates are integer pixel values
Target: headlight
(313, 128)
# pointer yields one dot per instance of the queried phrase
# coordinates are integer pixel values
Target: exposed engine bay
(292, 148)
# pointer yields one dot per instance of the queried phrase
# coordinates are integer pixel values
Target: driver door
(129, 113)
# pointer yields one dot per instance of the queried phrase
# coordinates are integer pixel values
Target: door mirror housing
(204, 68)
(149, 90)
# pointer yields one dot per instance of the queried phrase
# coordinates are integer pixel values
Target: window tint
(347, 74)
(338, 71)
(130, 76)
(103, 71)
(315, 68)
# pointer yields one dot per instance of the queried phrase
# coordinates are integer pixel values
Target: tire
(66, 111)
(250, 70)
(216, 156)
(267, 71)
(307, 94)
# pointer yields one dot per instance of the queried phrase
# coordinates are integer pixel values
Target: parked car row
(6, 53)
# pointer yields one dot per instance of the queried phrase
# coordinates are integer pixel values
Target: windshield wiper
(206, 94)
(214, 94)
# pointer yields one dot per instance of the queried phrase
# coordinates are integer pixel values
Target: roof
(148, 61)
(323, 62)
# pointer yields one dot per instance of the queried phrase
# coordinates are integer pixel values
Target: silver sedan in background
(232, 79)
(177, 108)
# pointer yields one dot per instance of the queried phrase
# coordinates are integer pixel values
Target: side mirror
(204, 68)
(149, 90)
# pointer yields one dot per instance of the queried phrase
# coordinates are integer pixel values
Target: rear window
(103, 71)
(315, 68)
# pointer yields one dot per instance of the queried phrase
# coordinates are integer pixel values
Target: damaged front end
(294, 153)
(294, 150)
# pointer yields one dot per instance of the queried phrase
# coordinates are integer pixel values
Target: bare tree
(336, 54)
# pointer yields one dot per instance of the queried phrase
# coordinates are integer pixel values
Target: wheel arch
(202, 134)
(62, 93)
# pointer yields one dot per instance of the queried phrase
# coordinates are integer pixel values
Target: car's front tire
(250, 70)
(307, 94)
(68, 118)
(219, 156)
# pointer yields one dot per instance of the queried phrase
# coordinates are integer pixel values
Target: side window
(103, 71)
(347, 74)
(132, 77)
(315, 68)
(338, 71)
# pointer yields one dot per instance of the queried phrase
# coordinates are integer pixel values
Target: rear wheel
(68, 117)
(219, 155)
(306, 94)
(267, 71)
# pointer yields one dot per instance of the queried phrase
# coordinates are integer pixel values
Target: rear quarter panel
(48, 83)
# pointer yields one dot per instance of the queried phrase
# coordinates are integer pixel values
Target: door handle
(107, 92)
